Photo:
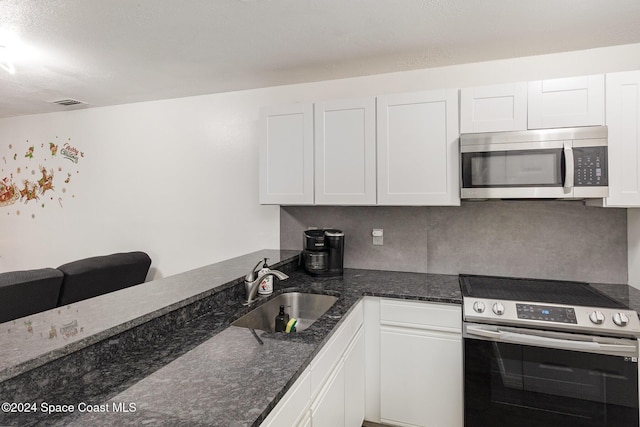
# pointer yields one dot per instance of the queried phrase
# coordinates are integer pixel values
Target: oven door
(520, 377)
(518, 170)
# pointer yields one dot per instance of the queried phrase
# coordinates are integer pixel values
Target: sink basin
(306, 308)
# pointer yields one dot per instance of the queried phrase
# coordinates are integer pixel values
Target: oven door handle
(557, 343)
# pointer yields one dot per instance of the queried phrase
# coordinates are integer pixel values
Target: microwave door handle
(569, 166)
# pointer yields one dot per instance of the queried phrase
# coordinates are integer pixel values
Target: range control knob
(597, 317)
(478, 307)
(498, 309)
(620, 319)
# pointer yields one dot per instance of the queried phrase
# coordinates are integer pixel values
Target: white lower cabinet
(306, 420)
(341, 400)
(409, 356)
(354, 382)
(420, 378)
(292, 409)
(328, 408)
(330, 393)
(417, 373)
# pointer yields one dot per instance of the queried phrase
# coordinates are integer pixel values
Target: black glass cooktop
(534, 290)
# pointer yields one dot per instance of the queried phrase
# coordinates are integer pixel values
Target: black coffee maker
(323, 253)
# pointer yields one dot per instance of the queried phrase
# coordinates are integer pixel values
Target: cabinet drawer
(330, 355)
(421, 315)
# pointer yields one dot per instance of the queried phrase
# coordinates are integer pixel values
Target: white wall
(178, 178)
(175, 178)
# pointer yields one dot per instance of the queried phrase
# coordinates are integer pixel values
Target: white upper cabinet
(494, 108)
(566, 102)
(418, 148)
(541, 104)
(286, 155)
(623, 120)
(345, 152)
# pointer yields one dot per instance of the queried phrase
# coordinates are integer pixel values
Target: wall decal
(8, 192)
(41, 176)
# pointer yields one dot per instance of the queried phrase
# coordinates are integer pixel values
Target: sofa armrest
(28, 292)
(99, 275)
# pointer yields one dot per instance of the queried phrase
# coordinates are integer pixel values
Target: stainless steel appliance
(551, 163)
(323, 253)
(547, 353)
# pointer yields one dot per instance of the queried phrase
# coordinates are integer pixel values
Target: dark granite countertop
(205, 372)
(232, 380)
(38, 339)
(627, 295)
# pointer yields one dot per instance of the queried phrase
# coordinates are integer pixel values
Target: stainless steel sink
(306, 308)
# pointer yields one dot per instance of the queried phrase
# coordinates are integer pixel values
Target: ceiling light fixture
(14, 51)
(6, 62)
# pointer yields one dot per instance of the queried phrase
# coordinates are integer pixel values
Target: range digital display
(546, 313)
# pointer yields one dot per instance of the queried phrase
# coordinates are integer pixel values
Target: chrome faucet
(252, 281)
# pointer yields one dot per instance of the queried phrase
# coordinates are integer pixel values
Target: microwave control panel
(590, 166)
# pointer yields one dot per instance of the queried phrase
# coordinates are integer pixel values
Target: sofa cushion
(90, 277)
(27, 292)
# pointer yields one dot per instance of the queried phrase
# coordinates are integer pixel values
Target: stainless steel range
(547, 352)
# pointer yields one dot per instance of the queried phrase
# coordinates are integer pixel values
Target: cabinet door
(623, 120)
(568, 102)
(286, 155)
(293, 405)
(305, 421)
(494, 108)
(345, 152)
(354, 382)
(328, 409)
(420, 378)
(418, 149)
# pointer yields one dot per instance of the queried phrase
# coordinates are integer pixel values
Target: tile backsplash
(541, 239)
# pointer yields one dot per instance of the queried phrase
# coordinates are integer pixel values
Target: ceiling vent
(68, 102)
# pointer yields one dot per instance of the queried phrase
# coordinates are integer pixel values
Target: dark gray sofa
(28, 292)
(99, 275)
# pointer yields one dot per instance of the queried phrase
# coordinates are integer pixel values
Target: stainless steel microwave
(567, 163)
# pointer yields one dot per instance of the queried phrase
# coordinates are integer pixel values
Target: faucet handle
(251, 276)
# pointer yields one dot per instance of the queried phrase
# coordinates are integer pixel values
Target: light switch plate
(378, 236)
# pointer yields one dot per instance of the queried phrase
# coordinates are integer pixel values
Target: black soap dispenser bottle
(281, 320)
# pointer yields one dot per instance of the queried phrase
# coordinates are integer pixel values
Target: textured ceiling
(120, 51)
